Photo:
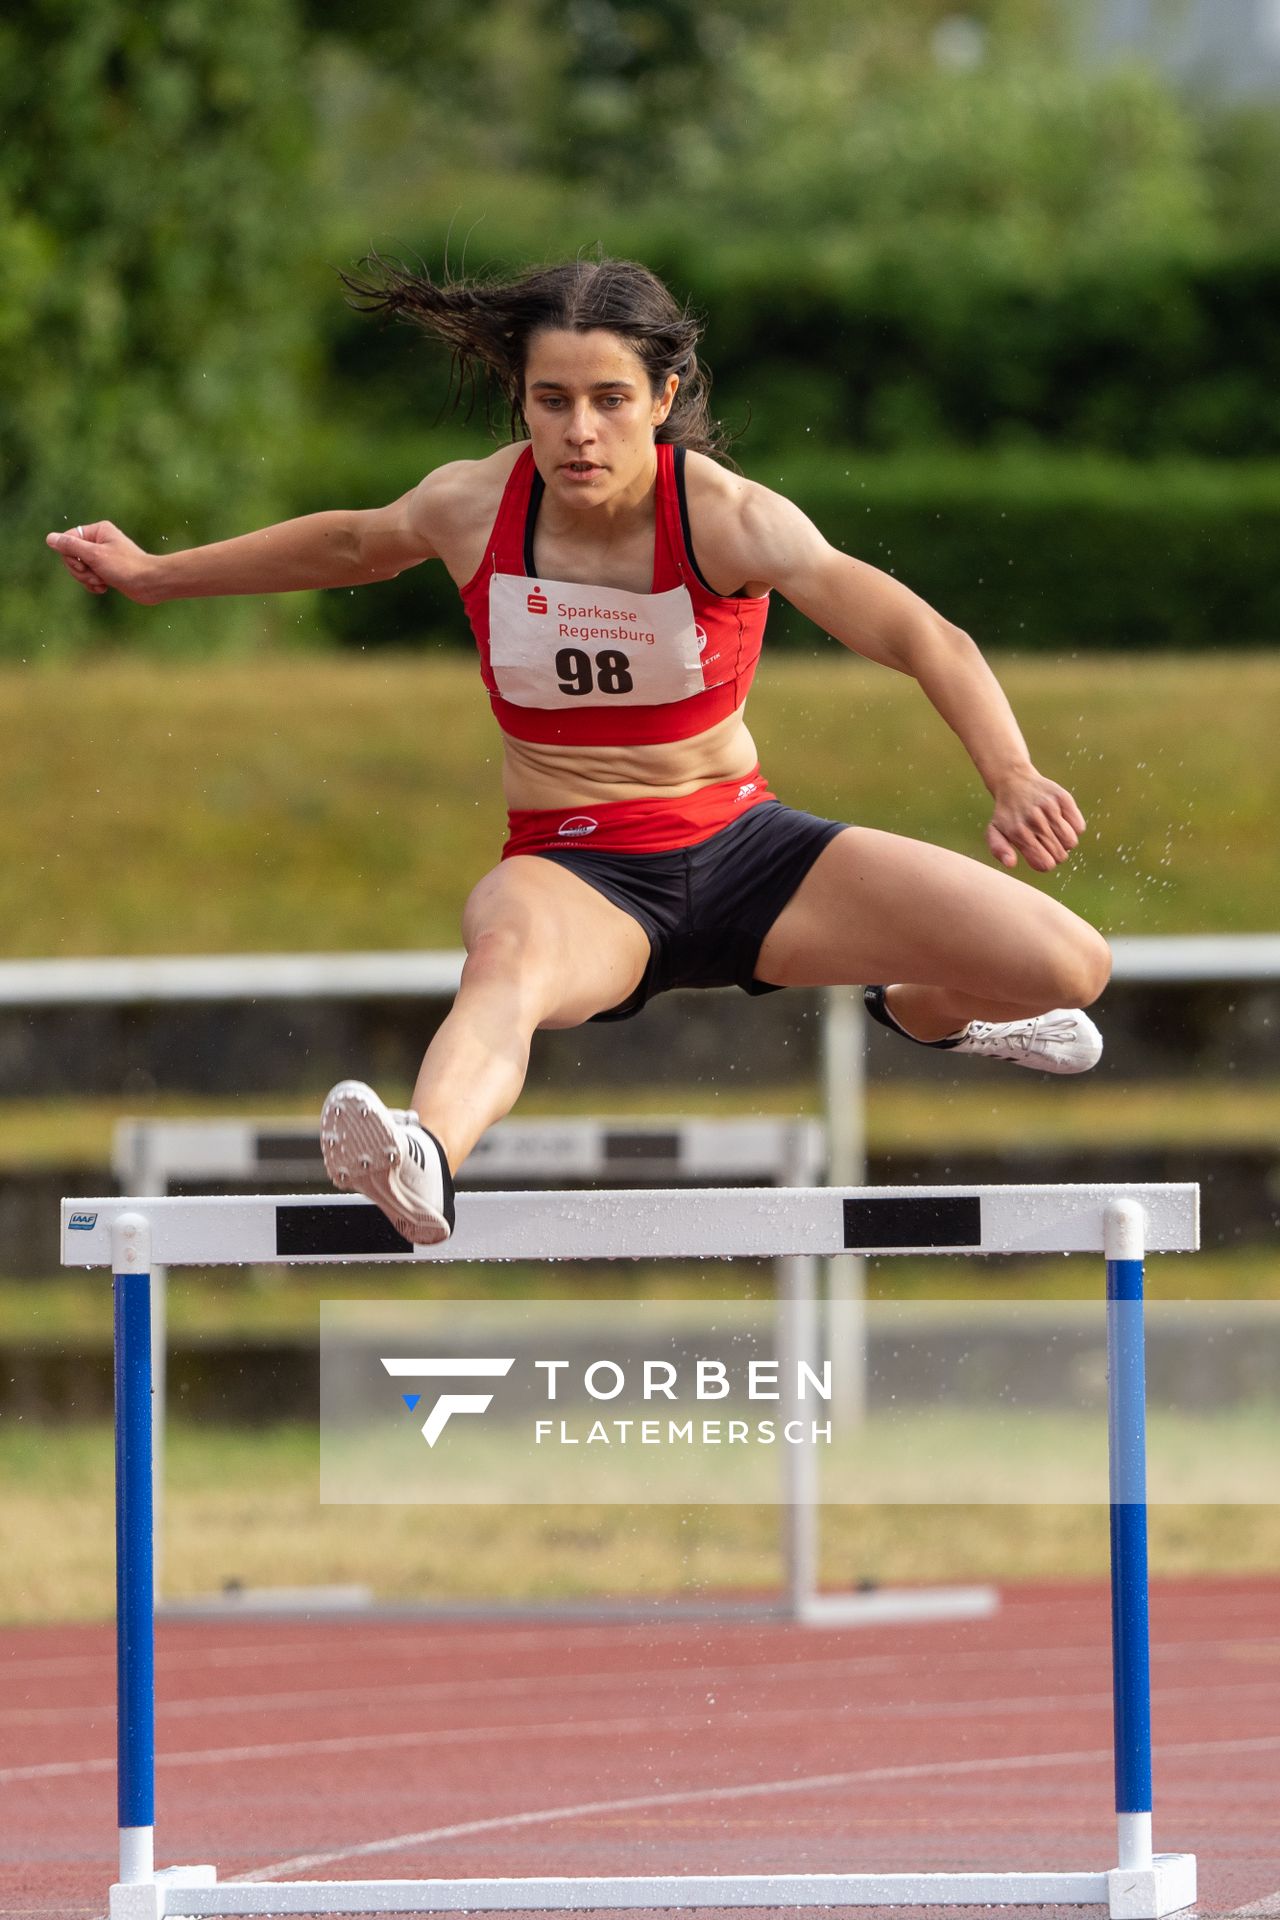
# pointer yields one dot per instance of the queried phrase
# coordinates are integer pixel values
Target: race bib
(556, 643)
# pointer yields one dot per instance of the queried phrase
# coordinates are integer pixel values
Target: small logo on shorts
(537, 601)
(82, 1222)
(577, 827)
(745, 793)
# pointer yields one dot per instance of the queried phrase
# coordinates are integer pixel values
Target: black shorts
(706, 908)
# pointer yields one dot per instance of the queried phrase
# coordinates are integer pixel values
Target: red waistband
(651, 825)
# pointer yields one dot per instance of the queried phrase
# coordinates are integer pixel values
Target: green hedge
(1025, 551)
(1035, 553)
(1173, 351)
(1147, 357)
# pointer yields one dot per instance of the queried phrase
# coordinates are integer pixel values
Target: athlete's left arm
(875, 615)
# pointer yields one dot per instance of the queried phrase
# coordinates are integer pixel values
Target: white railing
(232, 976)
(1173, 957)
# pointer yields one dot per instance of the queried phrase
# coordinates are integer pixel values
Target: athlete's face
(591, 414)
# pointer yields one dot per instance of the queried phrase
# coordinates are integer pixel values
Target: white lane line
(404, 1697)
(722, 1723)
(440, 1636)
(571, 1730)
(484, 1688)
(812, 1783)
(754, 1671)
(375, 1653)
(718, 1722)
(426, 1737)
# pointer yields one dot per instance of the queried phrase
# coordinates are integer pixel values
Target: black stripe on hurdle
(268, 1147)
(619, 1147)
(934, 1220)
(347, 1229)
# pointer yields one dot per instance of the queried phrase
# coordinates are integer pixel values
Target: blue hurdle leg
(135, 1602)
(1127, 1438)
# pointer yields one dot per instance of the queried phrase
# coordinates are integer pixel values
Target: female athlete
(617, 576)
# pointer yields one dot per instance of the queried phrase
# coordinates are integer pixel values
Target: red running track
(402, 1749)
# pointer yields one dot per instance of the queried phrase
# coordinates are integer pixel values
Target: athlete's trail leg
(962, 941)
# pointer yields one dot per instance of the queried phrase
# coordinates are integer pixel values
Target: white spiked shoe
(384, 1153)
(1064, 1041)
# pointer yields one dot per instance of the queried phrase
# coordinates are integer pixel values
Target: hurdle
(1122, 1222)
(153, 1156)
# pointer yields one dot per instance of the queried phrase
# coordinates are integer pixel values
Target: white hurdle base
(257, 1602)
(897, 1606)
(1127, 1893)
(870, 1607)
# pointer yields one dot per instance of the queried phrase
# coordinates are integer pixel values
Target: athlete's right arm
(341, 548)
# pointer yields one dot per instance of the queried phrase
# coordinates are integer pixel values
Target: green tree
(154, 314)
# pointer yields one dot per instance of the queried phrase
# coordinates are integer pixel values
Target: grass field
(323, 803)
(243, 1508)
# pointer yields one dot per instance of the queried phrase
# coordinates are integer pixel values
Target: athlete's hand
(1036, 818)
(100, 556)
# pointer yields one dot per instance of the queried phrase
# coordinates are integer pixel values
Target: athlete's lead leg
(960, 941)
(543, 950)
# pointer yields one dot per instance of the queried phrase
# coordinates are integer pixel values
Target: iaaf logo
(448, 1403)
(537, 601)
(577, 827)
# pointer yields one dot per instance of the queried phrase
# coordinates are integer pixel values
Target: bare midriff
(535, 775)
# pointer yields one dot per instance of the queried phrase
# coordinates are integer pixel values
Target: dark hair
(487, 324)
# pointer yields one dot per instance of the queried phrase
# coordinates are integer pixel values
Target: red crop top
(593, 666)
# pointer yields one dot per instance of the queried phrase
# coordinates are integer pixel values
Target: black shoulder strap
(537, 487)
(683, 499)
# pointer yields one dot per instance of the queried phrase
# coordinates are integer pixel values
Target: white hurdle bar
(1122, 1222)
(656, 1223)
